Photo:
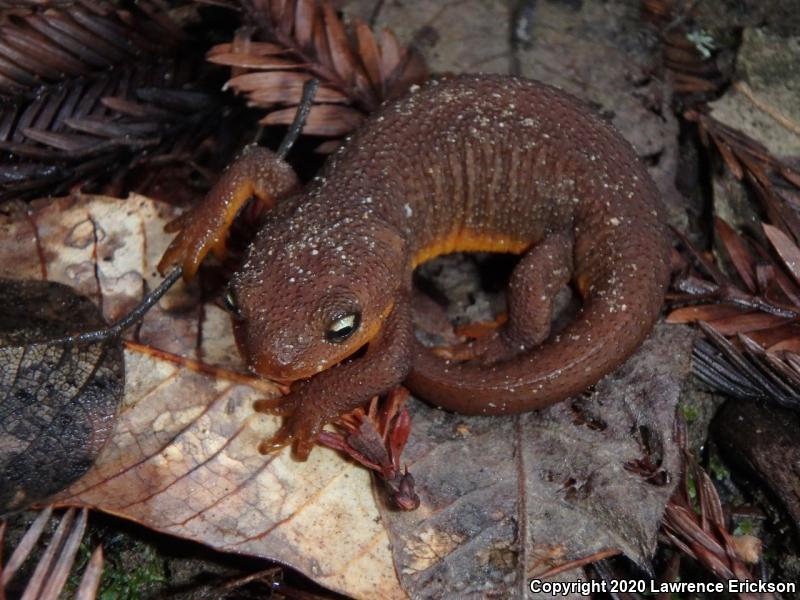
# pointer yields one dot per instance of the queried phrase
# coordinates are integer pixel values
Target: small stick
(130, 319)
(770, 110)
(306, 102)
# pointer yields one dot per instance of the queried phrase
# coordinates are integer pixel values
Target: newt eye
(229, 300)
(342, 327)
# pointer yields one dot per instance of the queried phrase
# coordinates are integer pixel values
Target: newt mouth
(290, 374)
(263, 365)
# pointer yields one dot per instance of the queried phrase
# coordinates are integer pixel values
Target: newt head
(307, 297)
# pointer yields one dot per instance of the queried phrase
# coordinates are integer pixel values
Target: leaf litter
(58, 402)
(183, 456)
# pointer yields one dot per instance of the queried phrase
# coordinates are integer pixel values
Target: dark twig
(128, 320)
(306, 102)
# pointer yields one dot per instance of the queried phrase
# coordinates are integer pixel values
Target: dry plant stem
(749, 374)
(767, 108)
(309, 91)
(53, 569)
(272, 574)
(702, 534)
(57, 576)
(259, 383)
(46, 563)
(726, 292)
(579, 562)
(375, 438)
(128, 320)
(25, 546)
(90, 581)
(314, 66)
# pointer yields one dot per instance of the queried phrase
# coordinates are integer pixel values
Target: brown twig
(767, 108)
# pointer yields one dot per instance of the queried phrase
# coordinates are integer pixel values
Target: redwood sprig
(297, 40)
(699, 528)
(774, 183)
(89, 88)
(375, 438)
(51, 42)
(57, 561)
(758, 307)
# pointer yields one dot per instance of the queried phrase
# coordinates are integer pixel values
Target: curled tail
(622, 278)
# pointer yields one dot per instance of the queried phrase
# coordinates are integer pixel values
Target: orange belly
(468, 241)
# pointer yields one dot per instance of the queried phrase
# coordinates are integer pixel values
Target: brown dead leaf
(58, 402)
(314, 40)
(705, 312)
(184, 459)
(314, 517)
(506, 498)
(747, 322)
(737, 252)
(786, 248)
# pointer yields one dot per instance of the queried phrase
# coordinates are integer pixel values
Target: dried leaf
(57, 402)
(702, 533)
(252, 61)
(503, 499)
(183, 458)
(369, 52)
(706, 312)
(54, 566)
(258, 49)
(280, 87)
(304, 20)
(748, 373)
(67, 133)
(747, 322)
(737, 252)
(790, 344)
(25, 546)
(317, 43)
(391, 52)
(51, 43)
(339, 45)
(786, 248)
(90, 581)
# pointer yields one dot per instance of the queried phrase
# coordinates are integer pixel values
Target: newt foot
(300, 428)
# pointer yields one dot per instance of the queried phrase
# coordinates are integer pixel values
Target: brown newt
(472, 163)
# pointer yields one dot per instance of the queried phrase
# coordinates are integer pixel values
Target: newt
(472, 163)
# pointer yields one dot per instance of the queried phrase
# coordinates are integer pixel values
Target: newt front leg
(257, 172)
(317, 401)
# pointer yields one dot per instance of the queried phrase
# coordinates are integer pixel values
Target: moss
(717, 469)
(689, 412)
(746, 527)
(129, 575)
(123, 581)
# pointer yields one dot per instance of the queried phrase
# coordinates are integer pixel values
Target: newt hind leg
(257, 172)
(535, 281)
